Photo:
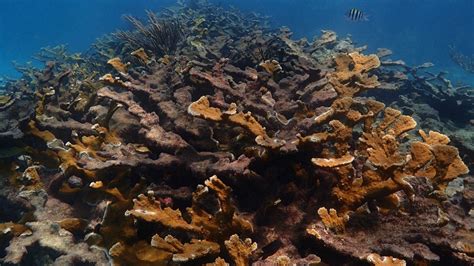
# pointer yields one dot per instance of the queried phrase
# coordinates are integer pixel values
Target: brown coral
(150, 210)
(118, 65)
(378, 260)
(332, 221)
(183, 253)
(239, 250)
(271, 66)
(435, 159)
(142, 55)
(202, 109)
(333, 162)
(287, 142)
(352, 73)
(214, 228)
(381, 145)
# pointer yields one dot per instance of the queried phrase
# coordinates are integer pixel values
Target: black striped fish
(355, 14)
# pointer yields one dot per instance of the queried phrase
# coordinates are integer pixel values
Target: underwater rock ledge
(204, 137)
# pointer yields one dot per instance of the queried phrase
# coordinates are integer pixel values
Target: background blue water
(416, 30)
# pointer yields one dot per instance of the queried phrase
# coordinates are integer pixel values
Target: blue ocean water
(417, 31)
(28, 25)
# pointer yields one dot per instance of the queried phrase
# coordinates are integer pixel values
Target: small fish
(355, 14)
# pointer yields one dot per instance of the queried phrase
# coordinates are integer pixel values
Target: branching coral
(239, 250)
(271, 66)
(352, 73)
(332, 221)
(215, 228)
(202, 109)
(141, 53)
(417, 85)
(380, 145)
(378, 260)
(15, 111)
(118, 65)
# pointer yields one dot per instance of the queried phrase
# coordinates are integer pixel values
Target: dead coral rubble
(303, 166)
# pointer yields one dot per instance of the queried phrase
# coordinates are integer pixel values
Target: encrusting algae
(226, 142)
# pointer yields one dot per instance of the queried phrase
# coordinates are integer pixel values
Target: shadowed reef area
(203, 137)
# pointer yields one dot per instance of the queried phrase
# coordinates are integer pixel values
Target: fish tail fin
(366, 18)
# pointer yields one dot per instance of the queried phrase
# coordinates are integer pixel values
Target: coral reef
(15, 110)
(206, 138)
(431, 99)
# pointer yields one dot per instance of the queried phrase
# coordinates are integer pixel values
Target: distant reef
(204, 137)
